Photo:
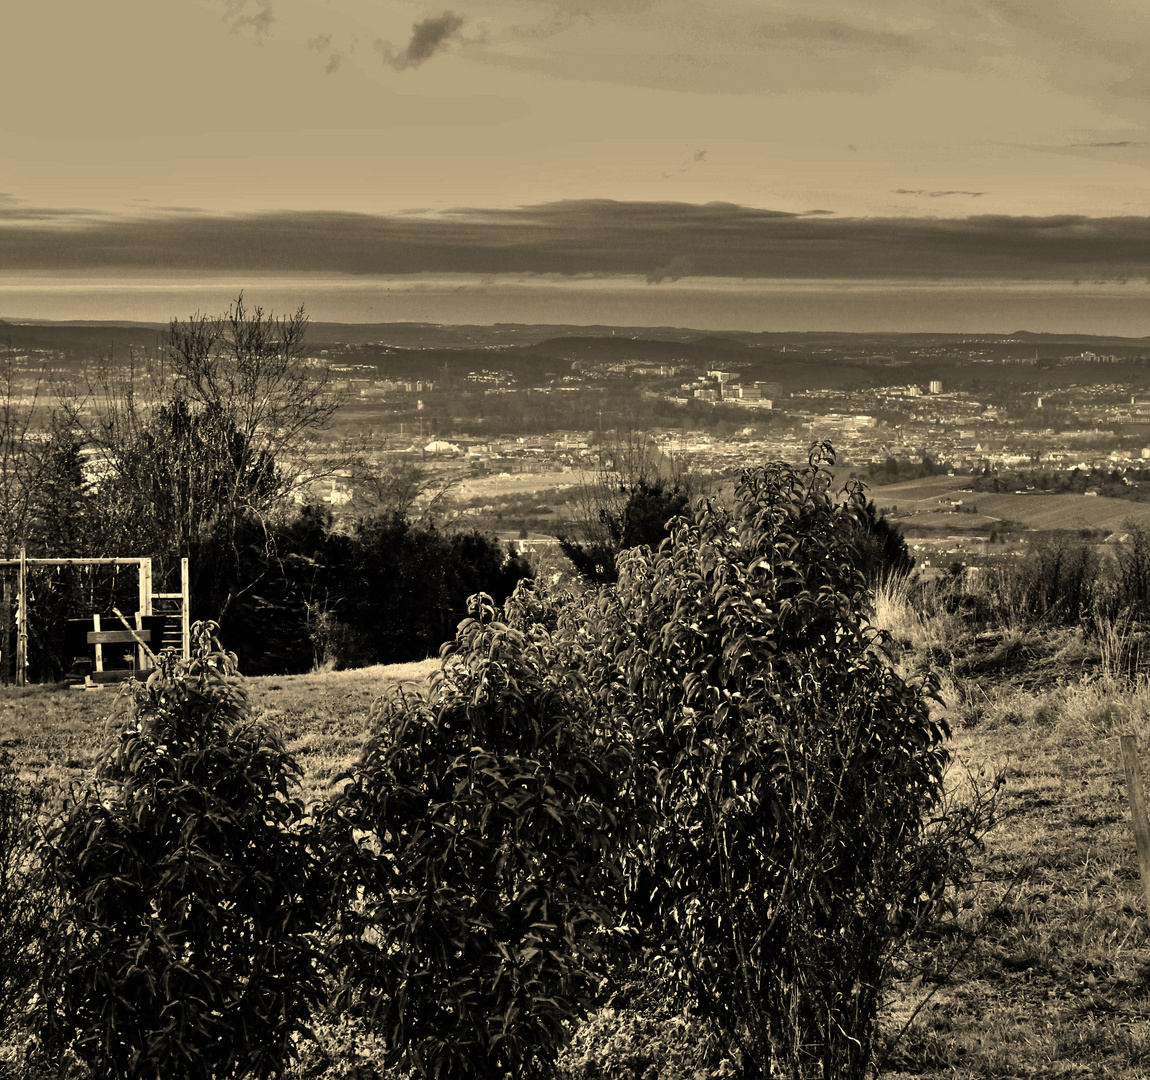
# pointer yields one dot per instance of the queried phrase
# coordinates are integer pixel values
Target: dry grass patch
(900, 607)
(57, 733)
(1045, 970)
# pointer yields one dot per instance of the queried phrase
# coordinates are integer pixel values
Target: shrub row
(708, 768)
(1066, 578)
(302, 592)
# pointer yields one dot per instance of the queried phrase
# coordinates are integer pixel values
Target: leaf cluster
(191, 898)
(475, 836)
(790, 770)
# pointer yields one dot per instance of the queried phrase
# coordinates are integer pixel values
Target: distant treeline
(1109, 483)
(205, 456)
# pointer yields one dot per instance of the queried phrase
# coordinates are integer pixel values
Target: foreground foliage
(27, 901)
(472, 845)
(710, 767)
(191, 901)
(789, 768)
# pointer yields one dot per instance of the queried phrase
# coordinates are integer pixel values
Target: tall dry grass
(908, 610)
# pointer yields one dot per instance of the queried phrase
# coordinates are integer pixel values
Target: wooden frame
(147, 597)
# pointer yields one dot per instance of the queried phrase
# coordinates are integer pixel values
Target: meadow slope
(1044, 968)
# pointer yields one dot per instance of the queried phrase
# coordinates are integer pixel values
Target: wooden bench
(100, 637)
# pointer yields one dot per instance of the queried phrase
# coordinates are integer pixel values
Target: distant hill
(842, 359)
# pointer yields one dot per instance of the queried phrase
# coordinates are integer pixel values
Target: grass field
(57, 733)
(1044, 970)
(923, 502)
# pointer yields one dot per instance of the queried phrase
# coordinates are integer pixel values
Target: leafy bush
(1055, 581)
(1132, 557)
(471, 843)
(191, 899)
(643, 1032)
(791, 771)
(27, 904)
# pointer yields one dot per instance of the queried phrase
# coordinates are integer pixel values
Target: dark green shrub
(643, 519)
(27, 902)
(406, 586)
(1055, 581)
(307, 593)
(1132, 558)
(191, 900)
(472, 843)
(790, 769)
(880, 550)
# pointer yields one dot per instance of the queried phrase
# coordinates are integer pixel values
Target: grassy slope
(1050, 950)
(58, 733)
(918, 501)
(1045, 970)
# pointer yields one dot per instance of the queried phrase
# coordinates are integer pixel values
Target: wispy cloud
(254, 15)
(655, 241)
(428, 36)
(924, 193)
(1117, 144)
(833, 32)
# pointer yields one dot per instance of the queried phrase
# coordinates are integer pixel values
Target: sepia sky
(766, 164)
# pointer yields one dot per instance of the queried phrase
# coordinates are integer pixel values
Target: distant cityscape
(538, 407)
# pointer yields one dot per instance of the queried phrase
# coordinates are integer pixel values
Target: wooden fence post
(22, 618)
(1137, 799)
(185, 611)
(6, 630)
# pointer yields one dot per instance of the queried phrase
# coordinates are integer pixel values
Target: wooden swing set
(134, 636)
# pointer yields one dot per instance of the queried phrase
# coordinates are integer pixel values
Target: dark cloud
(1122, 143)
(600, 237)
(322, 44)
(937, 194)
(832, 32)
(696, 158)
(256, 16)
(428, 36)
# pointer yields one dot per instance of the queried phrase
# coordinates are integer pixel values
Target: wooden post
(22, 618)
(6, 631)
(185, 610)
(145, 607)
(1137, 810)
(99, 647)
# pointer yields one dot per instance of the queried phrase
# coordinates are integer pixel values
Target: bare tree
(212, 437)
(250, 368)
(397, 488)
(631, 478)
